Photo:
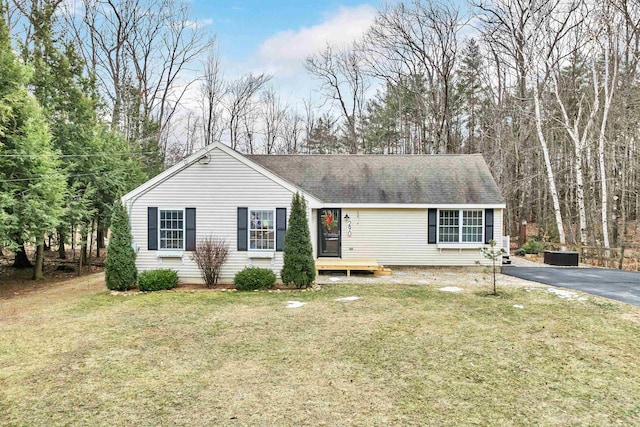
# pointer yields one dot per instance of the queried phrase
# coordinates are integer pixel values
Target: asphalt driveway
(615, 284)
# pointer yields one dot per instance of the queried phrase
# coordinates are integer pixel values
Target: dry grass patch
(399, 355)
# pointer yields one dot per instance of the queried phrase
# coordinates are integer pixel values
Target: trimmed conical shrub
(120, 263)
(299, 266)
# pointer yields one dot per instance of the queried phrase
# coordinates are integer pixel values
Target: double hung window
(171, 229)
(472, 226)
(261, 229)
(460, 226)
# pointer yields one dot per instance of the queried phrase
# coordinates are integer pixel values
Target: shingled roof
(406, 179)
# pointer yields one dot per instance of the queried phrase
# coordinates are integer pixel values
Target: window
(261, 229)
(171, 229)
(472, 226)
(460, 226)
(449, 228)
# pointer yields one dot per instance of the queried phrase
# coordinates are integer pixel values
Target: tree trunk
(62, 254)
(608, 96)
(21, 260)
(579, 144)
(83, 252)
(90, 239)
(38, 270)
(603, 188)
(82, 259)
(582, 212)
(73, 242)
(550, 176)
(100, 238)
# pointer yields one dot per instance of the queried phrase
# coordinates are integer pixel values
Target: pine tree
(299, 267)
(323, 138)
(120, 263)
(59, 87)
(97, 161)
(470, 93)
(32, 186)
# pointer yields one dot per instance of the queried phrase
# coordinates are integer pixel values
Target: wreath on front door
(328, 220)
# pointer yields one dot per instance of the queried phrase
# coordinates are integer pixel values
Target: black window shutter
(190, 241)
(152, 229)
(281, 227)
(488, 225)
(242, 229)
(433, 225)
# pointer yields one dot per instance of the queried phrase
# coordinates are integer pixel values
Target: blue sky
(276, 36)
(242, 25)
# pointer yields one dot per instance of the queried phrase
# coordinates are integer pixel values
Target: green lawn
(401, 355)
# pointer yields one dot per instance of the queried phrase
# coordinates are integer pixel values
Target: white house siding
(399, 237)
(216, 190)
(313, 228)
(498, 225)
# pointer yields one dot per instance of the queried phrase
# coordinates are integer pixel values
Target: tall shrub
(299, 267)
(210, 255)
(120, 263)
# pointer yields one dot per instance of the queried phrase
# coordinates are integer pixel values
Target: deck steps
(351, 264)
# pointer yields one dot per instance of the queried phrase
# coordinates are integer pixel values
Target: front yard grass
(400, 355)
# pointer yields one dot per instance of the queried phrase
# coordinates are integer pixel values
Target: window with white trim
(472, 226)
(171, 229)
(460, 226)
(449, 229)
(262, 229)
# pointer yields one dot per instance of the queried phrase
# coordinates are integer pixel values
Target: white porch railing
(506, 244)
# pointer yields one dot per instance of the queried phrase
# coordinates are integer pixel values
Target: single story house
(418, 210)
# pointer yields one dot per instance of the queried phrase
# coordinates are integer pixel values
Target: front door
(329, 233)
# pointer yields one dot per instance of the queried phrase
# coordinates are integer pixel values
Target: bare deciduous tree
(273, 116)
(343, 83)
(419, 41)
(139, 51)
(213, 90)
(239, 104)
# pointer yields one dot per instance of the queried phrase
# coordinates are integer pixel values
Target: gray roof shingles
(403, 179)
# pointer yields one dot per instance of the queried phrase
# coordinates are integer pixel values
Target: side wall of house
(400, 237)
(216, 190)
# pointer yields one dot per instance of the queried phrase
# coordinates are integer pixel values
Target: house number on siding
(349, 228)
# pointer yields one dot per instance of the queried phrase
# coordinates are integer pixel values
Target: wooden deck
(351, 264)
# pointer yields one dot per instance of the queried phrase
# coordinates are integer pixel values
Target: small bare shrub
(210, 255)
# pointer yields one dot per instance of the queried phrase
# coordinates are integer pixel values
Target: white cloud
(284, 53)
(71, 7)
(199, 23)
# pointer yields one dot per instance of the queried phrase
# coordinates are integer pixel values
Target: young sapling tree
(494, 254)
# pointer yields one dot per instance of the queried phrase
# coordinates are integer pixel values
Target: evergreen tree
(97, 162)
(120, 263)
(380, 124)
(120, 173)
(64, 95)
(299, 267)
(470, 94)
(323, 139)
(396, 122)
(32, 186)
